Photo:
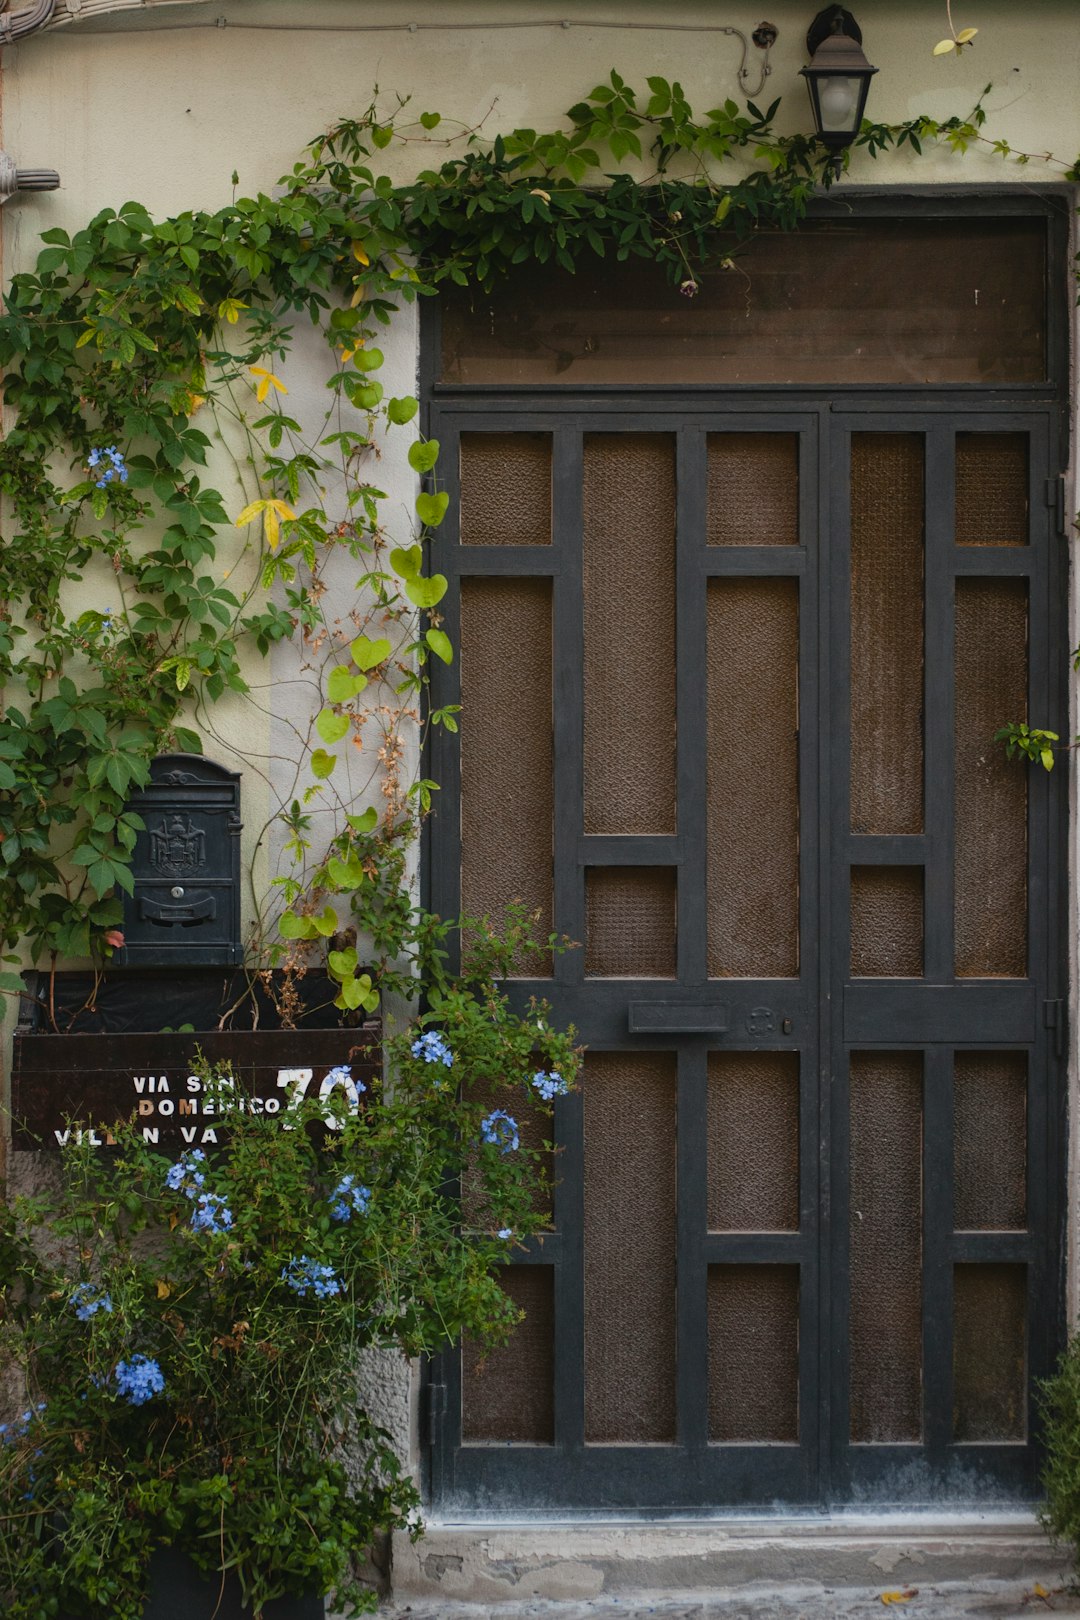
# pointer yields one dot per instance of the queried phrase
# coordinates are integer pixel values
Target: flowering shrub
(189, 1332)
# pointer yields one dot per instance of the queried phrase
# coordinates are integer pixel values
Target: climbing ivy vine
(139, 354)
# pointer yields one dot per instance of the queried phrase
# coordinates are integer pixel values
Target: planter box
(178, 1591)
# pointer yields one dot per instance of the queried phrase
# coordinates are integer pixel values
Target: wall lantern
(838, 78)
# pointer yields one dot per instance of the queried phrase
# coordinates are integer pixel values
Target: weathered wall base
(478, 1563)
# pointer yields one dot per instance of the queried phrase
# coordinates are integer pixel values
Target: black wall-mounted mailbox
(186, 866)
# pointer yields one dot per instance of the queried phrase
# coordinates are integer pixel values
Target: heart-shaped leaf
(342, 964)
(402, 410)
(326, 923)
(440, 644)
(423, 454)
(343, 685)
(322, 763)
(426, 592)
(365, 823)
(431, 509)
(330, 726)
(345, 875)
(365, 653)
(406, 560)
(367, 359)
(293, 927)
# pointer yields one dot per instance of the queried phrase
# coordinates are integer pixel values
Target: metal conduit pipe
(18, 24)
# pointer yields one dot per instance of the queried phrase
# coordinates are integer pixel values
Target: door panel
(730, 684)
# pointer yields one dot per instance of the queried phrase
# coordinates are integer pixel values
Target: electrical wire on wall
(763, 36)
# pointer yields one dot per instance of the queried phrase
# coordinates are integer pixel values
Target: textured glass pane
(629, 547)
(505, 489)
(989, 1352)
(507, 1393)
(886, 1246)
(629, 1107)
(887, 922)
(753, 1112)
(991, 489)
(753, 489)
(630, 928)
(898, 300)
(991, 791)
(506, 752)
(753, 1353)
(886, 633)
(752, 773)
(990, 1141)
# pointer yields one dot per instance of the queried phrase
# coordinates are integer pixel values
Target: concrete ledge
(581, 1561)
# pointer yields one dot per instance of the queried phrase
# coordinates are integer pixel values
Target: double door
(730, 684)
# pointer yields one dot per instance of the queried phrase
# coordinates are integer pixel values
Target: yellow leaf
(359, 253)
(163, 1289)
(267, 380)
(229, 310)
(250, 513)
(275, 512)
(86, 337)
(357, 297)
(538, 191)
(900, 1597)
(965, 35)
(1039, 1590)
(194, 401)
(944, 46)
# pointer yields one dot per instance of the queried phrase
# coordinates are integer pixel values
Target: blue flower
(550, 1085)
(504, 1232)
(88, 1299)
(499, 1129)
(348, 1199)
(341, 1075)
(432, 1048)
(307, 1276)
(139, 1379)
(185, 1176)
(211, 1214)
(113, 463)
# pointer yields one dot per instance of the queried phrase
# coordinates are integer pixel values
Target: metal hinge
(1054, 1018)
(1055, 500)
(432, 1412)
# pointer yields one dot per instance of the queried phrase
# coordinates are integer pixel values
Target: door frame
(523, 406)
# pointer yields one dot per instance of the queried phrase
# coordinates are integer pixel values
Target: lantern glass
(838, 99)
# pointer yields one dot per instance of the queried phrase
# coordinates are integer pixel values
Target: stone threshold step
(588, 1559)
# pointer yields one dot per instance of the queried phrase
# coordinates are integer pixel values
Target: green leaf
(342, 964)
(406, 560)
(366, 654)
(423, 454)
(346, 875)
(400, 411)
(322, 763)
(365, 823)
(430, 119)
(431, 509)
(343, 685)
(440, 644)
(426, 592)
(367, 359)
(293, 927)
(326, 923)
(330, 726)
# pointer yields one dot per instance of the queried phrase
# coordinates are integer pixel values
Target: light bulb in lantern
(838, 100)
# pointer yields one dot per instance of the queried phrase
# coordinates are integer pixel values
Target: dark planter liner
(179, 1591)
